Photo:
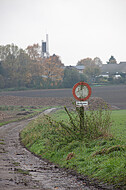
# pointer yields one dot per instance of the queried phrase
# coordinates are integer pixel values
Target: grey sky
(77, 28)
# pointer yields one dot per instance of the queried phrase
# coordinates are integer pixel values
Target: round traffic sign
(81, 91)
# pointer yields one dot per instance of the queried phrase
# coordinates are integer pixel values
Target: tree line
(26, 68)
(21, 68)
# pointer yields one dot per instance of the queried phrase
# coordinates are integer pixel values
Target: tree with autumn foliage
(86, 62)
(26, 68)
(53, 70)
(92, 68)
(89, 61)
(46, 72)
(34, 52)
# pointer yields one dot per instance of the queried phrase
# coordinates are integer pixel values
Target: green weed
(16, 163)
(2, 143)
(25, 172)
(6, 108)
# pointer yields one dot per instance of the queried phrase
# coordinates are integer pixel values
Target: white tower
(45, 48)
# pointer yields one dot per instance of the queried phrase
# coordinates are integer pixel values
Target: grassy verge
(103, 159)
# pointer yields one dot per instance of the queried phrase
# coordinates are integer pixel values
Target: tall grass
(95, 124)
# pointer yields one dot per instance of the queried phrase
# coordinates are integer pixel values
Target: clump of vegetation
(5, 108)
(24, 172)
(16, 163)
(85, 125)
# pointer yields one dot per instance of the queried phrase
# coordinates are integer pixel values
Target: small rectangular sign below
(81, 103)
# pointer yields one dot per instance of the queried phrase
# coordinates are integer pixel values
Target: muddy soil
(20, 169)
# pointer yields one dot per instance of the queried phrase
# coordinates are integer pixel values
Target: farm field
(114, 95)
(14, 102)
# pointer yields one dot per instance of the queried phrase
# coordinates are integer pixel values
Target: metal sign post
(81, 92)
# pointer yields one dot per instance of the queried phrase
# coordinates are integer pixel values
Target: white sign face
(81, 91)
(81, 103)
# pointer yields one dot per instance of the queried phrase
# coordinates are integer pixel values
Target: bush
(82, 125)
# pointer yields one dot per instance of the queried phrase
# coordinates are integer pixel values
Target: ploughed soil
(115, 95)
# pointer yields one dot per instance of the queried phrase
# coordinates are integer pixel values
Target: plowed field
(115, 95)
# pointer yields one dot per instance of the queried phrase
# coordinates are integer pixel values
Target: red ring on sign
(84, 84)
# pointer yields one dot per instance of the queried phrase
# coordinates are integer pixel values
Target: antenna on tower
(47, 45)
(45, 48)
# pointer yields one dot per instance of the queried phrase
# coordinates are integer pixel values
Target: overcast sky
(77, 29)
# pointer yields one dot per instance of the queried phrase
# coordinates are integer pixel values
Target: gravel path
(20, 169)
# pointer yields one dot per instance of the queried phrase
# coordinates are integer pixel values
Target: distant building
(108, 70)
(80, 68)
(123, 62)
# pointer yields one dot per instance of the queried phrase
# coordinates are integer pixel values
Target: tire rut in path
(20, 169)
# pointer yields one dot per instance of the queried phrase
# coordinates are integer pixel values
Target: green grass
(118, 129)
(103, 158)
(1, 139)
